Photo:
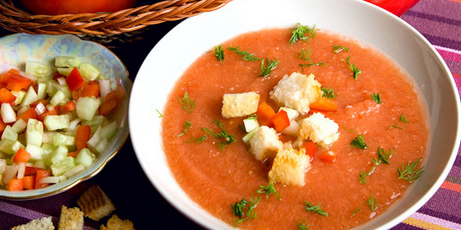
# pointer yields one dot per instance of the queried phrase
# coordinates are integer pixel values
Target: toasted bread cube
(95, 204)
(115, 223)
(239, 104)
(70, 219)
(265, 143)
(42, 224)
(289, 167)
(319, 129)
(297, 91)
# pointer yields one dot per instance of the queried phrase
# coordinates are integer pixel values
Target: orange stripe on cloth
(451, 186)
(424, 225)
(458, 1)
(454, 74)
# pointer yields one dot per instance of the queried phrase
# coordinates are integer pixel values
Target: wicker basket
(103, 24)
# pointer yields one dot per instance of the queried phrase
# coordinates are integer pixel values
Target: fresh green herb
(306, 55)
(219, 53)
(403, 119)
(363, 177)
(338, 49)
(395, 126)
(197, 139)
(303, 226)
(376, 97)
(372, 203)
(409, 172)
(358, 142)
(245, 210)
(160, 115)
(350, 130)
(268, 190)
(187, 103)
(311, 208)
(245, 55)
(299, 33)
(385, 156)
(267, 69)
(328, 93)
(185, 129)
(357, 210)
(223, 135)
(355, 70)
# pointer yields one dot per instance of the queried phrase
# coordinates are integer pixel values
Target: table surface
(438, 20)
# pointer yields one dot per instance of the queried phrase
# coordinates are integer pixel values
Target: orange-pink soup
(216, 178)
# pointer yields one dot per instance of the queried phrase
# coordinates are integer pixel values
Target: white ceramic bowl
(357, 19)
(17, 48)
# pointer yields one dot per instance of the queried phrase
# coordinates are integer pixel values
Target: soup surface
(215, 178)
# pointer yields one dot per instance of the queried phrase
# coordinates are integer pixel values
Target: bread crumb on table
(115, 223)
(38, 224)
(95, 204)
(70, 219)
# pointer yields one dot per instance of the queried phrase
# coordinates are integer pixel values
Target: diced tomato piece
(15, 184)
(68, 107)
(43, 101)
(107, 107)
(2, 125)
(49, 112)
(82, 136)
(6, 96)
(74, 80)
(21, 156)
(28, 114)
(328, 156)
(73, 154)
(30, 170)
(324, 104)
(17, 82)
(311, 149)
(41, 173)
(29, 182)
(265, 113)
(115, 95)
(280, 120)
(90, 91)
(57, 75)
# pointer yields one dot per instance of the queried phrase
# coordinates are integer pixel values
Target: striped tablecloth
(438, 20)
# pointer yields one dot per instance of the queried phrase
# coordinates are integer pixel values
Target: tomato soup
(217, 178)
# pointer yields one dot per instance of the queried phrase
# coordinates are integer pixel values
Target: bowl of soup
(295, 114)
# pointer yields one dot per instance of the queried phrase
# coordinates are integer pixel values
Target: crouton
(289, 167)
(319, 129)
(115, 223)
(95, 204)
(70, 219)
(297, 91)
(38, 224)
(239, 104)
(265, 143)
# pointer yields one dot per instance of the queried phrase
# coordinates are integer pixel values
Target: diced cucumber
(102, 146)
(292, 114)
(34, 132)
(87, 107)
(48, 147)
(248, 136)
(19, 96)
(97, 121)
(95, 139)
(58, 155)
(85, 157)
(74, 171)
(39, 69)
(2, 165)
(108, 131)
(48, 137)
(31, 97)
(56, 122)
(8, 113)
(250, 124)
(59, 98)
(67, 61)
(89, 71)
(37, 153)
(64, 71)
(41, 91)
(19, 126)
(60, 139)
(9, 134)
(60, 168)
(10, 147)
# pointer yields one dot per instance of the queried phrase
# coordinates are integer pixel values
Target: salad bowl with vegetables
(63, 112)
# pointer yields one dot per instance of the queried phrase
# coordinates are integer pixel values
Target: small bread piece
(70, 219)
(95, 204)
(115, 223)
(319, 129)
(289, 167)
(38, 224)
(239, 104)
(297, 91)
(265, 143)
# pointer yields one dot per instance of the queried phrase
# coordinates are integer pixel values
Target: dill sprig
(299, 33)
(376, 97)
(197, 139)
(328, 93)
(245, 55)
(403, 119)
(384, 156)
(302, 226)
(409, 173)
(160, 115)
(315, 208)
(338, 49)
(372, 203)
(226, 138)
(355, 70)
(267, 66)
(306, 55)
(268, 190)
(185, 129)
(245, 210)
(187, 103)
(219, 53)
(358, 143)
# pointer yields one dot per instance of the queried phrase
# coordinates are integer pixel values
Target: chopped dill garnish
(267, 69)
(350, 130)
(372, 203)
(303, 226)
(197, 139)
(357, 210)
(363, 177)
(245, 55)
(409, 172)
(316, 209)
(299, 33)
(306, 55)
(219, 53)
(355, 70)
(187, 103)
(328, 93)
(268, 190)
(185, 129)
(384, 156)
(358, 142)
(245, 210)
(160, 115)
(338, 49)
(376, 97)
(403, 119)
(226, 138)
(395, 126)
